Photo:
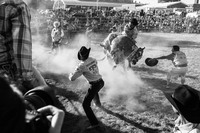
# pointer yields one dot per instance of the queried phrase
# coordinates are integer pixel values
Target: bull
(120, 47)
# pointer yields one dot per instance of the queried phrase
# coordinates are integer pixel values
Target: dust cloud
(64, 61)
(118, 83)
(121, 86)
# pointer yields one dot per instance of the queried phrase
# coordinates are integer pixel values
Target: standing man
(180, 63)
(57, 34)
(89, 69)
(16, 42)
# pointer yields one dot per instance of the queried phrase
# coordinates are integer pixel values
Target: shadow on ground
(135, 124)
(75, 122)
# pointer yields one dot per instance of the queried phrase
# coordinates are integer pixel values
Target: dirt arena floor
(133, 101)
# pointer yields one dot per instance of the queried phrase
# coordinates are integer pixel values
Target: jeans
(92, 94)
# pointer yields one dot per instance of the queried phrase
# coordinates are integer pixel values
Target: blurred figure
(57, 34)
(185, 103)
(180, 63)
(131, 29)
(107, 42)
(142, 13)
(16, 42)
(13, 117)
(89, 69)
(117, 27)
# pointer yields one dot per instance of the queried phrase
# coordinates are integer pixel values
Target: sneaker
(92, 127)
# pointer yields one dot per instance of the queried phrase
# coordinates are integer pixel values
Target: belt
(94, 82)
(183, 65)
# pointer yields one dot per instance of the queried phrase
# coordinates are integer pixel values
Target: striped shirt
(15, 35)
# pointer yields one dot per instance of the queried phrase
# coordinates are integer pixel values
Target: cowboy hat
(151, 61)
(186, 101)
(83, 53)
(40, 96)
(133, 23)
(56, 24)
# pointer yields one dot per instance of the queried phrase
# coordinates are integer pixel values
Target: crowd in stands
(76, 19)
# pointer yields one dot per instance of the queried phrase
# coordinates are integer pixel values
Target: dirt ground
(133, 101)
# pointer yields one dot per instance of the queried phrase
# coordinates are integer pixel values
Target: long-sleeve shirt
(15, 36)
(88, 69)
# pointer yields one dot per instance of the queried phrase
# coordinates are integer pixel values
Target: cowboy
(179, 61)
(89, 69)
(185, 103)
(57, 34)
(131, 29)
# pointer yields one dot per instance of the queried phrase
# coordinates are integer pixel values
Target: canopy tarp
(164, 5)
(100, 4)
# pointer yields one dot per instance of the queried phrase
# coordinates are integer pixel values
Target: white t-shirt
(179, 58)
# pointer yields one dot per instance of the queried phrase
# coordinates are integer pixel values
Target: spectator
(13, 112)
(179, 61)
(142, 13)
(89, 69)
(16, 42)
(186, 104)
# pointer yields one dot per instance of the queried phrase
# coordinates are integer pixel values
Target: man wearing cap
(179, 61)
(89, 69)
(185, 103)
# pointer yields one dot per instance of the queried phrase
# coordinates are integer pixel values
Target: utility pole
(97, 4)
